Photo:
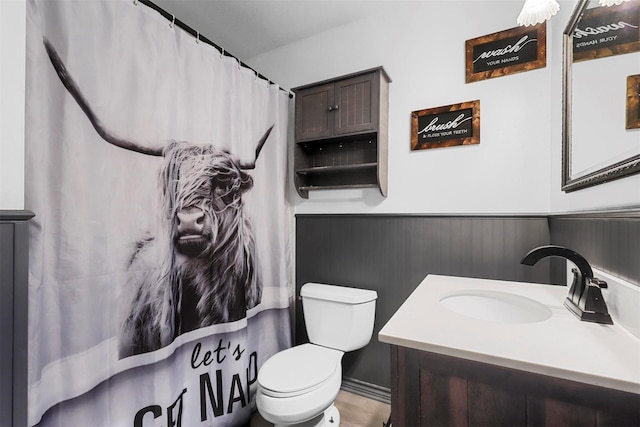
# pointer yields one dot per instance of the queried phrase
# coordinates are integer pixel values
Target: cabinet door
(429, 389)
(357, 101)
(314, 112)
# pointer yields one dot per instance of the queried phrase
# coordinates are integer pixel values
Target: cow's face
(202, 189)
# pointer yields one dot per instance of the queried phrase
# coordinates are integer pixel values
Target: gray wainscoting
(610, 241)
(392, 254)
(14, 258)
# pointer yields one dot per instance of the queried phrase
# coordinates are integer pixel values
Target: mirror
(601, 53)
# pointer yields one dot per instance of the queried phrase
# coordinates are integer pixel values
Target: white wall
(515, 169)
(12, 66)
(422, 47)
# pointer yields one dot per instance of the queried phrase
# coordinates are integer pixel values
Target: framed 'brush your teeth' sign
(447, 126)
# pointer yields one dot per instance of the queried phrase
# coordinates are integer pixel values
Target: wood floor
(355, 411)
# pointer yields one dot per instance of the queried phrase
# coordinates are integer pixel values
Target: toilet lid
(299, 368)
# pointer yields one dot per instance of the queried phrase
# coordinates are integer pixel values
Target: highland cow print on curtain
(160, 253)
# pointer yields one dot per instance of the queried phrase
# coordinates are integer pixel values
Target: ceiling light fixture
(611, 2)
(537, 11)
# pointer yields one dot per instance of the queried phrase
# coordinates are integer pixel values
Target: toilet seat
(297, 385)
(299, 370)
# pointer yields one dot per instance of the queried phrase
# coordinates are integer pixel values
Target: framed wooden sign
(506, 52)
(447, 126)
(606, 31)
(633, 102)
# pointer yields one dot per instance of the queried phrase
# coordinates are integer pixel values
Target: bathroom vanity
(486, 352)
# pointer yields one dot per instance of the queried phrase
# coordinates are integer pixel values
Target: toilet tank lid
(337, 293)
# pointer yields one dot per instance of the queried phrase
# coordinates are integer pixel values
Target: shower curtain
(160, 271)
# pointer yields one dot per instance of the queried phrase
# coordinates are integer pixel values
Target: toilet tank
(338, 317)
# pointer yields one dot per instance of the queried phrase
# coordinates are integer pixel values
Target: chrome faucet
(585, 297)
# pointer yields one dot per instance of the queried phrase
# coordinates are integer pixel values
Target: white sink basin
(495, 306)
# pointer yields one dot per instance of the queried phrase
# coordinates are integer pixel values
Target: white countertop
(561, 346)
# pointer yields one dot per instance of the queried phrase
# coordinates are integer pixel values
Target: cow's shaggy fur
(171, 292)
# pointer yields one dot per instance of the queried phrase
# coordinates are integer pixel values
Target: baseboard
(371, 391)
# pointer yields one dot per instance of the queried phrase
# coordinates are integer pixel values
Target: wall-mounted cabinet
(341, 133)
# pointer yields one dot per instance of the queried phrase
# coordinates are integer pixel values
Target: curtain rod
(199, 37)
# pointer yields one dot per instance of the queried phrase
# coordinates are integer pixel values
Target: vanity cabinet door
(429, 389)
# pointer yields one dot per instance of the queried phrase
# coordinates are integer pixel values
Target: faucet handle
(597, 282)
(592, 305)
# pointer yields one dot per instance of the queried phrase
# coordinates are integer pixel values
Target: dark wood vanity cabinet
(341, 133)
(429, 389)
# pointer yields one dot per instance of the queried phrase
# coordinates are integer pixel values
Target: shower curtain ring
(135, 2)
(197, 36)
(173, 21)
(221, 52)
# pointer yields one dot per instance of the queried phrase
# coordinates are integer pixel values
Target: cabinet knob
(335, 107)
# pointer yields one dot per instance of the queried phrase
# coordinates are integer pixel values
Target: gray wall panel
(393, 254)
(6, 322)
(610, 242)
(14, 258)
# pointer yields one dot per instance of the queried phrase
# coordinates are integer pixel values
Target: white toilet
(297, 386)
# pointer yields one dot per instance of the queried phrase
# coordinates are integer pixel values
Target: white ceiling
(247, 28)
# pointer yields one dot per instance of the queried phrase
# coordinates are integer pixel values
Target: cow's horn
(73, 89)
(252, 165)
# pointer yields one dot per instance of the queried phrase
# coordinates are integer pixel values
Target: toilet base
(332, 416)
(329, 418)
